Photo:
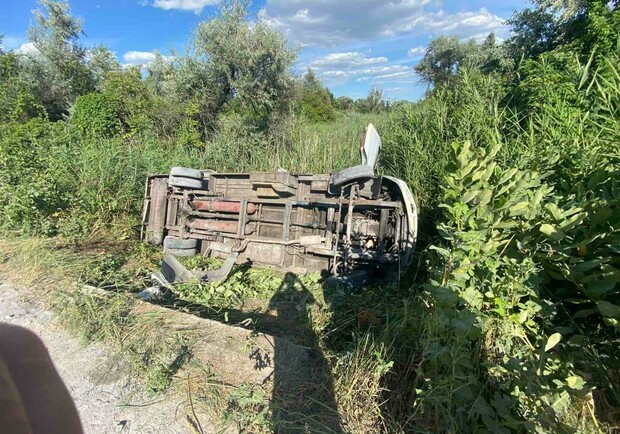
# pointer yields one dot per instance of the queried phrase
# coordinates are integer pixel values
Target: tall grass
(417, 139)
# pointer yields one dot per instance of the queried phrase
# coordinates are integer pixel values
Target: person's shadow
(302, 398)
(303, 393)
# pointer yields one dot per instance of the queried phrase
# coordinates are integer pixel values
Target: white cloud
(390, 74)
(332, 23)
(27, 48)
(347, 59)
(19, 44)
(185, 5)
(141, 57)
(416, 52)
(463, 24)
(338, 68)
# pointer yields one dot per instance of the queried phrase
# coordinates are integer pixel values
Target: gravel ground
(105, 401)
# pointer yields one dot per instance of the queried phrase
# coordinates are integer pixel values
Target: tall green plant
(490, 358)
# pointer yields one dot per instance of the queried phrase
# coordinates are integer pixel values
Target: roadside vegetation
(509, 319)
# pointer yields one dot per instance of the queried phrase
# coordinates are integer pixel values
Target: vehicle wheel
(179, 243)
(186, 172)
(177, 181)
(180, 252)
(351, 174)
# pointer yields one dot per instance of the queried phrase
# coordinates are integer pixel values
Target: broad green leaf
(464, 172)
(598, 288)
(489, 172)
(608, 309)
(560, 404)
(575, 382)
(588, 265)
(518, 209)
(555, 211)
(573, 221)
(584, 313)
(507, 175)
(443, 252)
(537, 197)
(552, 232)
(465, 154)
(473, 297)
(485, 197)
(467, 197)
(553, 340)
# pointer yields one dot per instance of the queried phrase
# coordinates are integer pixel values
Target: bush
(17, 102)
(523, 300)
(315, 101)
(96, 114)
(488, 300)
(315, 105)
(30, 199)
(132, 98)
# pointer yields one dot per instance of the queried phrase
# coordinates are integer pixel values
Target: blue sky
(351, 44)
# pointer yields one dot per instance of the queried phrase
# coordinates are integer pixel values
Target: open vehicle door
(371, 145)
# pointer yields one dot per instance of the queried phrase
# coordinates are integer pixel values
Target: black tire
(351, 174)
(179, 243)
(181, 252)
(186, 172)
(177, 181)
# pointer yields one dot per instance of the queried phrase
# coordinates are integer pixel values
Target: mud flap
(223, 272)
(174, 272)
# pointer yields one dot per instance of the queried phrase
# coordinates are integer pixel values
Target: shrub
(315, 101)
(30, 199)
(17, 102)
(96, 114)
(132, 98)
(491, 357)
(315, 105)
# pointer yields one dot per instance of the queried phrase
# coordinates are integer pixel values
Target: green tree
(247, 65)
(344, 103)
(442, 59)
(446, 55)
(128, 94)
(535, 31)
(183, 99)
(315, 100)
(584, 25)
(374, 102)
(101, 61)
(17, 103)
(58, 69)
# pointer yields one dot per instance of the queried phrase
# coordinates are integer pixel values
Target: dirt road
(106, 402)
